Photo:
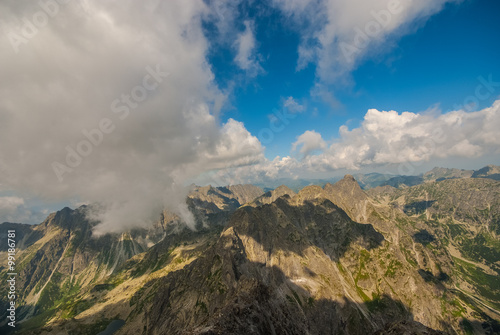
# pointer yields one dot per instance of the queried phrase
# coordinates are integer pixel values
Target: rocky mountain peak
(489, 171)
(68, 218)
(209, 200)
(323, 260)
(309, 193)
(272, 196)
(283, 189)
(348, 186)
(349, 177)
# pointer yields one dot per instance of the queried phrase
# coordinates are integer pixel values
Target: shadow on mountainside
(224, 292)
(245, 281)
(255, 308)
(293, 228)
(183, 305)
(260, 300)
(90, 325)
(423, 237)
(418, 207)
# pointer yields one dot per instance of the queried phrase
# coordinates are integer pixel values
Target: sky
(125, 103)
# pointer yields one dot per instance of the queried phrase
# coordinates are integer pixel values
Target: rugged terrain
(325, 260)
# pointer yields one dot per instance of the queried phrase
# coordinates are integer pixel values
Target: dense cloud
(386, 137)
(111, 102)
(383, 138)
(114, 102)
(309, 142)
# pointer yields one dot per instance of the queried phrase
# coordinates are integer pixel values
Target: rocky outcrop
(271, 196)
(407, 328)
(332, 260)
(489, 171)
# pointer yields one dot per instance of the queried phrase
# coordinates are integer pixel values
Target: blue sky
(437, 64)
(134, 100)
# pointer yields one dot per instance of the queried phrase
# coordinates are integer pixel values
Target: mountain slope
(271, 196)
(462, 215)
(332, 260)
(59, 260)
(489, 171)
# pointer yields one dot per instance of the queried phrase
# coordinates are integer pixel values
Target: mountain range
(374, 179)
(422, 258)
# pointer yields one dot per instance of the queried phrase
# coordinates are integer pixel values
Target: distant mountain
(224, 198)
(404, 181)
(366, 181)
(208, 200)
(27, 234)
(371, 180)
(422, 259)
(294, 184)
(439, 174)
(490, 171)
(271, 196)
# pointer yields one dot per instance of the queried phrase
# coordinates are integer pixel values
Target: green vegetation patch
(482, 246)
(392, 268)
(487, 285)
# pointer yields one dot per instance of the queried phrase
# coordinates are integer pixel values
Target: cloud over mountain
(389, 137)
(119, 102)
(113, 104)
(386, 137)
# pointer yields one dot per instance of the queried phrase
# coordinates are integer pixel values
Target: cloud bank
(112, 103)
(387, 137)
(384, 138)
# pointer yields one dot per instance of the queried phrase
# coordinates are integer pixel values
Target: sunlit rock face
(332, 259)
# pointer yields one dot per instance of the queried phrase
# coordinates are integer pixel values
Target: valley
(324, 260)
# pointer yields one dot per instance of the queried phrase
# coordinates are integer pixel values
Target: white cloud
(135, 69)
(337, 34)
(10, 203)
(293, 106)
(247, 56)
(309, 142)
(13, 209)
(386, 137)
(237, 145)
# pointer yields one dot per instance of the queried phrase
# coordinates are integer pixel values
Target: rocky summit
(422, 259)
